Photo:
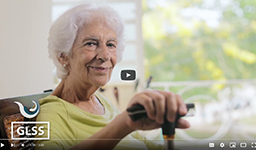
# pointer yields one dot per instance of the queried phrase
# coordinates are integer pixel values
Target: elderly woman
(85, 44)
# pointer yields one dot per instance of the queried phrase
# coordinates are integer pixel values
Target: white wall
(24, 64)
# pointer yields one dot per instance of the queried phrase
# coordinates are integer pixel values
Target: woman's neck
(81, 97)
(74, 92)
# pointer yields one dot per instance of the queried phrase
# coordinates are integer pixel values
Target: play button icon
(1, 145)
(128, 75)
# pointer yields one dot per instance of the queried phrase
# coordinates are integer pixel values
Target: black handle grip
(137, 111)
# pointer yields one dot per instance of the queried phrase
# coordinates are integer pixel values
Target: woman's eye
(111, 45)
(90, 44)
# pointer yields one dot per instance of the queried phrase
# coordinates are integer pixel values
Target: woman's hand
(157, 104)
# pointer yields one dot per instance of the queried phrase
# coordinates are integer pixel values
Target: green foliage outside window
(199, 39)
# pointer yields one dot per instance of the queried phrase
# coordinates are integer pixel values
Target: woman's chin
(100, 82)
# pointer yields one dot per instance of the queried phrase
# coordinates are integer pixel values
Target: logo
(32, 111)
(30, 130)
(128, 75)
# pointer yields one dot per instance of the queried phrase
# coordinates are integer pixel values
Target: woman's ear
(63, 59)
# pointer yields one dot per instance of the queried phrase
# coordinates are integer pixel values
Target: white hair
(64, 31)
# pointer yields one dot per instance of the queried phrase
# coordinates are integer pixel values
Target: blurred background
(204, 50)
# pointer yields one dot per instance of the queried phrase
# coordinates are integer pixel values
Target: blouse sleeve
(56, 115)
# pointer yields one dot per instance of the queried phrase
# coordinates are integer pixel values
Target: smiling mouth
(100, 69)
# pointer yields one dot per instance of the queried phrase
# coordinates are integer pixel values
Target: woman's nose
(103, 53)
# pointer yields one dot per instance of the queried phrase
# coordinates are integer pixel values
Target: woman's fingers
(171, 105)
(159, 103)
(174, 105)
(182, 109)
(147, 102)
(183, 124)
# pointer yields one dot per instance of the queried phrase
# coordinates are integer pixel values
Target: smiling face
(93, 54)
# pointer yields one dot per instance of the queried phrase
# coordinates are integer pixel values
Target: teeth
(98, 67)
